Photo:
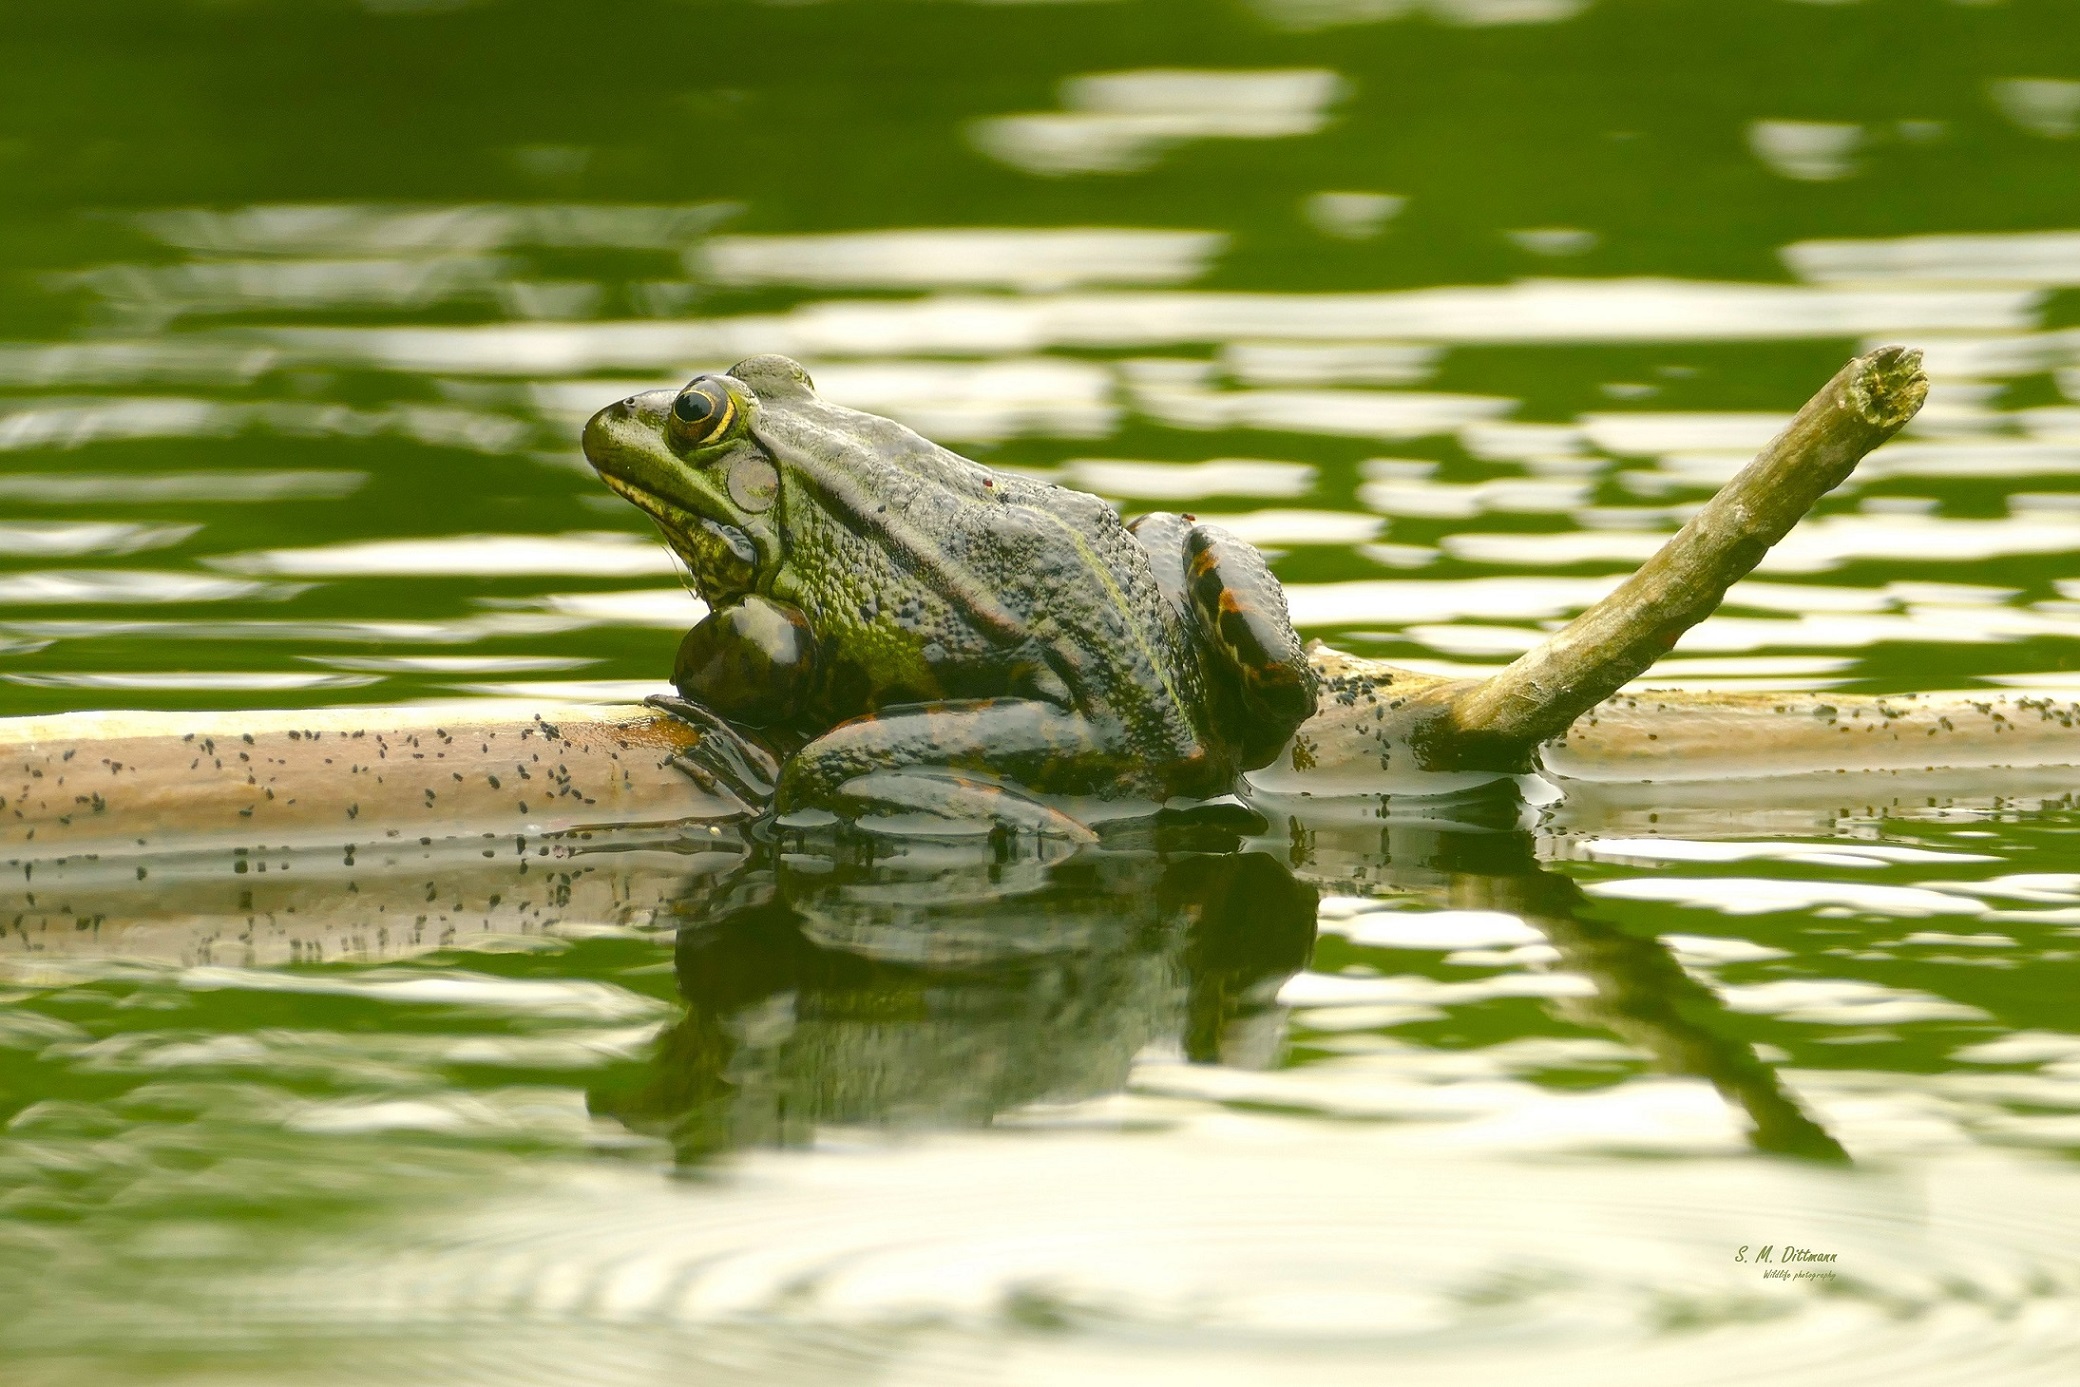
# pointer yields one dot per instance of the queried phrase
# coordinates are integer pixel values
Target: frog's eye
(703, 413)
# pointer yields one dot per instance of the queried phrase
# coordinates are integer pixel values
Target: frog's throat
(683, 526)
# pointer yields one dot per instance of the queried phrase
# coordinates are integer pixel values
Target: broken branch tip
(1889, 387)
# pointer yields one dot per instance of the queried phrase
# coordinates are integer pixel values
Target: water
(1453, 308)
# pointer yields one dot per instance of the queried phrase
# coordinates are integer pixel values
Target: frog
(894, 629)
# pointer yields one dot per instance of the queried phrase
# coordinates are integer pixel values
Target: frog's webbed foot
(951, 761)
(929, 800)
(724, 762)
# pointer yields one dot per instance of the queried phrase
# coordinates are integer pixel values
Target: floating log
(119, 782)
(1369, 735)
(115, 784)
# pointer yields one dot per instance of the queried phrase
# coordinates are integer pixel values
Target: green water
(301, 305)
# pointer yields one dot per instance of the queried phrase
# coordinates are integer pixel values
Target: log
(1369, 735)
(75, 783)
(113, 784)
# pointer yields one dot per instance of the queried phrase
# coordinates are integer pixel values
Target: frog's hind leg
(1162, 533)
(1225, 588)
(1242, 610)
(952, 760)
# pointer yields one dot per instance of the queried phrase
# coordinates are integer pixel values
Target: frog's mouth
(728, 552)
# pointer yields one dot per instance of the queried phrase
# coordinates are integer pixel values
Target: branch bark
(1497, 724)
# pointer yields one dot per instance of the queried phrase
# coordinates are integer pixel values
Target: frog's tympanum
(914, 633)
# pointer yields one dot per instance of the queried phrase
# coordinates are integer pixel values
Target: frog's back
(995, 576)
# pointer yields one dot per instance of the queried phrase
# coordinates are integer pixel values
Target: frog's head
(693, 461)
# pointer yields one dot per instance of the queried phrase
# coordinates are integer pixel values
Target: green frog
(895, 629)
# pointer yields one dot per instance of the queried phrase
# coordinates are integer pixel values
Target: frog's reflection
(925, 989)
(920, 990)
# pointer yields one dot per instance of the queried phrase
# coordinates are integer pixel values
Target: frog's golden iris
(703, 414)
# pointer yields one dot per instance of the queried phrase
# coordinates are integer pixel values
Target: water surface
(1455, 308)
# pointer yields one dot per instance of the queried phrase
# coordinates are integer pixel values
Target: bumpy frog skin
(926, 635)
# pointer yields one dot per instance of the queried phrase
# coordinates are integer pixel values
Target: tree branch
(1496, 724)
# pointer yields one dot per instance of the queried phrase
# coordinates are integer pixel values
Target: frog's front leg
(950, 760)
(724, 761)
(753, 661)
(748, 664)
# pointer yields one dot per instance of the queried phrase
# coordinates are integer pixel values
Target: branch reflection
(1477, 852)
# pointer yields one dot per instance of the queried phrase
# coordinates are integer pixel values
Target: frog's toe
(930, 803)
(723, 760)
